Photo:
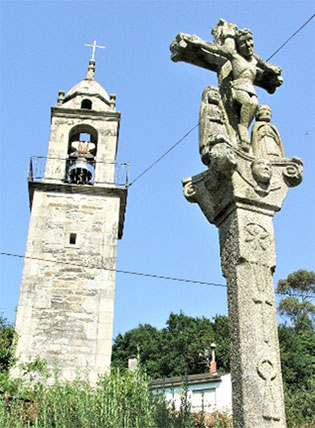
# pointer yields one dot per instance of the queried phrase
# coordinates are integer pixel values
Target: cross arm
(268, 75)
(190, 48)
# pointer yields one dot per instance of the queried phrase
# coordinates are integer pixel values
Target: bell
(79, 172)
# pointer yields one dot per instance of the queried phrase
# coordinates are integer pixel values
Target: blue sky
(42, 45)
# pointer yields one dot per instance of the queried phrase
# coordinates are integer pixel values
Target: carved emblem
(257, 236)
(266, 370)
(268, 373)
(260, 275)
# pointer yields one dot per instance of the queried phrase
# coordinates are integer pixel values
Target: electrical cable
(291, 37)
(150, 275)
(161, 157)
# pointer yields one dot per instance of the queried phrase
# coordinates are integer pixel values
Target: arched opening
(87, 104)
(83, 133)
(82, 148)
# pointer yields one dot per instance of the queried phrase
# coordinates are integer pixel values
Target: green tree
(299, 289)
(297, 345)
(184, 342)
(298, 363)
(222, 341)
(144, 340)
(6, 343)
(176, 350)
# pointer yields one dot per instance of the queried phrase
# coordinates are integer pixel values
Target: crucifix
(94, 46)
(232, 57)
(243, 186)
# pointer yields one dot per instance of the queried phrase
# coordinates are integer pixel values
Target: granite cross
(245, 183)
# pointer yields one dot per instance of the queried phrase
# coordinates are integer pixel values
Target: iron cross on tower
(93, 46)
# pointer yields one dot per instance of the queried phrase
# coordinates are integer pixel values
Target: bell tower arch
(78, 199)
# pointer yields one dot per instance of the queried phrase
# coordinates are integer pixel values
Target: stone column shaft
(248, 262)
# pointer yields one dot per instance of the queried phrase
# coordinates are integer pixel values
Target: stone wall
(65, 311)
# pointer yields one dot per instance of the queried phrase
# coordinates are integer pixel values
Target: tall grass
(120, 400)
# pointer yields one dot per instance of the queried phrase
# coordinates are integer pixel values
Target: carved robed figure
(245, 183)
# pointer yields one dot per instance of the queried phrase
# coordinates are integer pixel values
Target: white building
(207, 391)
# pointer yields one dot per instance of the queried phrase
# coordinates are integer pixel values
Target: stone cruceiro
(245, 183)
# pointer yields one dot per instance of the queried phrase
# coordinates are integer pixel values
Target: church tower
(78, 199)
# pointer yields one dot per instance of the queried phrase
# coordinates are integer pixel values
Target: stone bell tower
(78, 199)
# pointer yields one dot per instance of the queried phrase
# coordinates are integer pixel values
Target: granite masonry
(65, 309)
(245, 183)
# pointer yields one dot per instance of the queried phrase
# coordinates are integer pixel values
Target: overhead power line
(291, 37)
(90, 266)
(164, 154)
(149, 275)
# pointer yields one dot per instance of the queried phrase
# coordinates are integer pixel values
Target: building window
(204, 399)
(87, 104)
(72, 238)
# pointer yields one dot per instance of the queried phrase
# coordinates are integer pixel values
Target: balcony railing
(49, 169)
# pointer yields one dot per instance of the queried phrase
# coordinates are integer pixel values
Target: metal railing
(58, 170)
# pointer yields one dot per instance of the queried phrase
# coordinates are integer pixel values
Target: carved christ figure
(247, 69)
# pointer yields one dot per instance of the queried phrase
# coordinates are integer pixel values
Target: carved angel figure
(214, 135)
(266, 140)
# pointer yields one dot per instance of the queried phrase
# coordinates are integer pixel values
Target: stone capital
(252, 184)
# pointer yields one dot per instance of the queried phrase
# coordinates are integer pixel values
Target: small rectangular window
(72, 238)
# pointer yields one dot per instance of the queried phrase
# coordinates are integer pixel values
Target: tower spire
(91, 68)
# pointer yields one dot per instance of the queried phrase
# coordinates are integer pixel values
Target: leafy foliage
(299, 288)
(144, 340)
(118, 400)
(176, 350)
(297, 346)
(222, 341)
(6, 344)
